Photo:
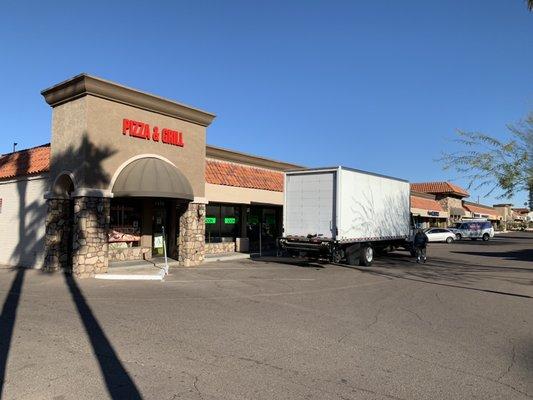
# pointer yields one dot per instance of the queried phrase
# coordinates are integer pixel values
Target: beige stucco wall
(22, 221)
(87, 139)
(69, 125)
(231, 194)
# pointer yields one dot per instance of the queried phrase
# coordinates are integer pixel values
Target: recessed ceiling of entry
(152, 177)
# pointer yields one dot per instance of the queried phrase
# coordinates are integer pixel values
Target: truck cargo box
(345, 205)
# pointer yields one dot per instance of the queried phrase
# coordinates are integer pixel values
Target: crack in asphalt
(376, 317)
(195, 384)
(436, 364)
(316, 387)
(417, 316)
(358, 388)
(511, 363)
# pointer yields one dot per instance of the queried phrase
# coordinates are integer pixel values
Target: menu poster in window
(123, 235)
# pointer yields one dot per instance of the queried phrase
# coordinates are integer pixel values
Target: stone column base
(191, 241)
(89, 242)
(57, 235)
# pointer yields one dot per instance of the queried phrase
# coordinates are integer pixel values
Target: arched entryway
(150, 196)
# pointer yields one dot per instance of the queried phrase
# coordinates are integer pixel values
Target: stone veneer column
(89, 242)
(57, 234)
(191, 241)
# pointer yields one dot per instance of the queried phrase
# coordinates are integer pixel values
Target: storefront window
(125, 223)
(221, 223)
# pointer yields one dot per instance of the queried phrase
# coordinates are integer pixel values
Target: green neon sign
(210, 220)
(253, 219)
(270, 220)
(230, 220)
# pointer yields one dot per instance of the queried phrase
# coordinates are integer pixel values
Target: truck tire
(336, 256)
(352, 254)
(458, 236)
(486, 237)
(367, 256)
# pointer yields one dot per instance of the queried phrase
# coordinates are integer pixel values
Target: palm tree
(530, 5)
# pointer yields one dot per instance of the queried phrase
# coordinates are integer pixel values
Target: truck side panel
(372, 207)
(310, 204)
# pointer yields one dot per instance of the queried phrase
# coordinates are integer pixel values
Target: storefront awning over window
(152, 177)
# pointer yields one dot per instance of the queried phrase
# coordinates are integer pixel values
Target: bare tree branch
(485, 161)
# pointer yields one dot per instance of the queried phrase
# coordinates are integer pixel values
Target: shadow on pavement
(416, 277)
(517, 255)
(118, 381)
(7, 322)
(293, 262)
(437, 271)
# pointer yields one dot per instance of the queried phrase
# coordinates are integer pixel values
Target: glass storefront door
(263, 228)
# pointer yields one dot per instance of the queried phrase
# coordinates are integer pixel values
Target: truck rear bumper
(307, 245)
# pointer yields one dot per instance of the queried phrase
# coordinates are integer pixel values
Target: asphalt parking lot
(458, 327)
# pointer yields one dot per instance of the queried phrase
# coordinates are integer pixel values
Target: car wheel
(449, 239)
(486, 237)
(367, 256)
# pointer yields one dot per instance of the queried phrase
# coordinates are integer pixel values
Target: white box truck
(344, 214)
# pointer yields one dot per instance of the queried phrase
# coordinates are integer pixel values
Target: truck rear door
(310, 204)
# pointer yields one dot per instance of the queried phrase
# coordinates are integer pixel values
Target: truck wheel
(486, 237)
(337, 256)
(367, 256)
(458, 236)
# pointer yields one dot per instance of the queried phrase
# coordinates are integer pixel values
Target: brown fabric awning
(152, 177)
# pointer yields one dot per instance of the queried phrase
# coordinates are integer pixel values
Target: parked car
(473, 230)
(440, 235)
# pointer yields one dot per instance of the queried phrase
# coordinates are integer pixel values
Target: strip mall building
(124, 167)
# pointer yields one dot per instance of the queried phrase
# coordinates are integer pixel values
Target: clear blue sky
(376, 85)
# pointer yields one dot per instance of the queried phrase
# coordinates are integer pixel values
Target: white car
(440, 235)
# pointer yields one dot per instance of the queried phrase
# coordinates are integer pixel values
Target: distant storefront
(426, 211)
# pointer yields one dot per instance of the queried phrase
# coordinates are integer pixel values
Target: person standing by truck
(420, 243)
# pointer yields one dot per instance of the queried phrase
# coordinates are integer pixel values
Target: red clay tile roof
(25, 162)
(439, 188)
(229, 174)
(425, 204)
(479, 209)
(521, 210)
